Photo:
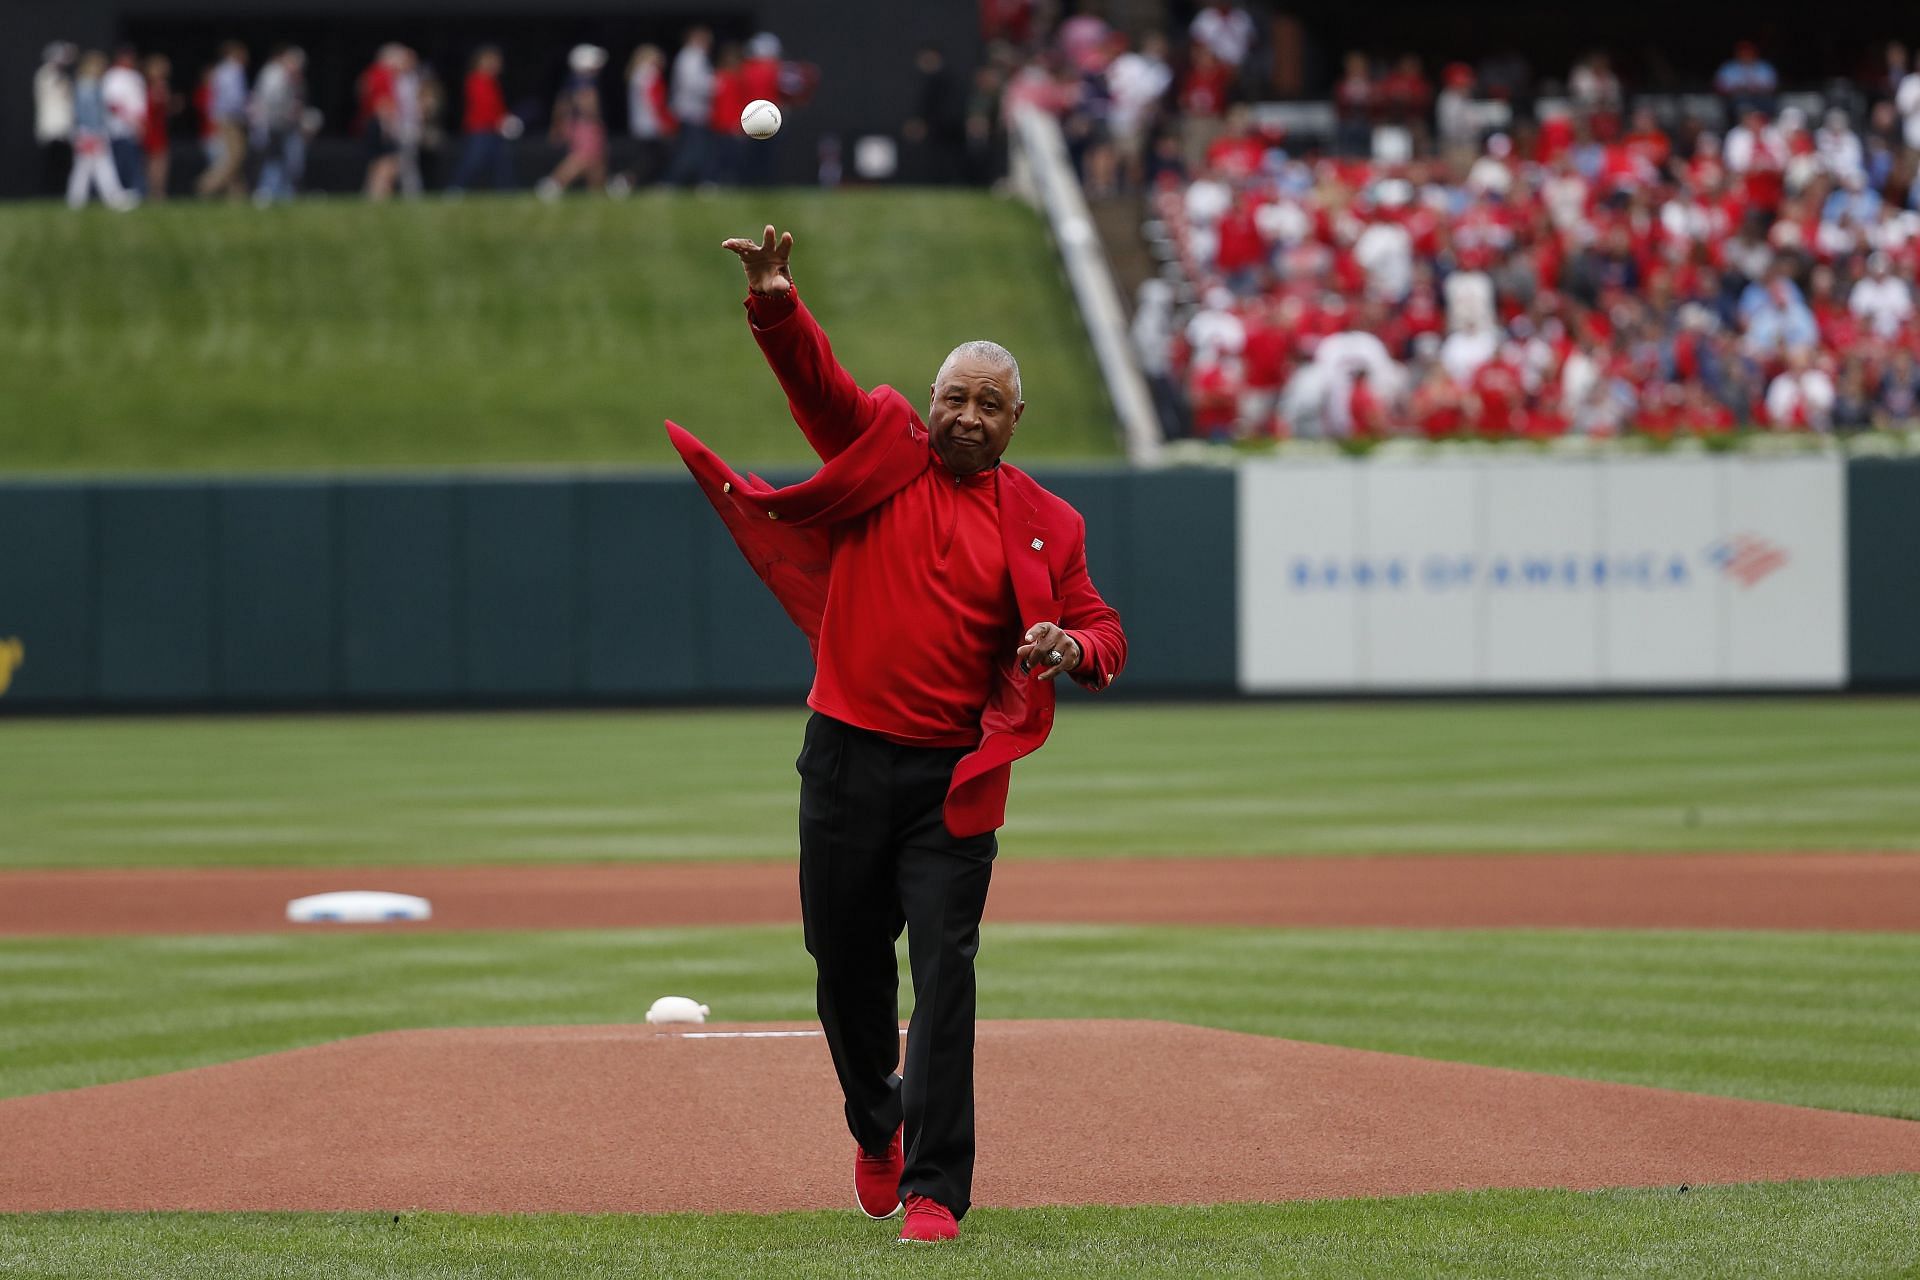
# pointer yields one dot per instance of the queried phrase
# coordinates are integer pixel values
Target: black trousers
(875, 857)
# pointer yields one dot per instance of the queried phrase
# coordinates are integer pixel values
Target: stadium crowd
(107, 125)
(1493, 256)
(1442, 251)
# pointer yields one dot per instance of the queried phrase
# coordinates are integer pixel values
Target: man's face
(972, 414)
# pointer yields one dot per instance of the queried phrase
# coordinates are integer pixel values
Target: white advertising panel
(1297, 526)
(1782, 559)
(1663, 606)
(1541, 619)
(1419, 622)
(1514, 573)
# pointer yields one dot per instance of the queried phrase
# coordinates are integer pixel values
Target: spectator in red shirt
(1439, 407)
(484, 126)
(1406, 97)
(162, 105)
(1203, 103)
(1366, 414)
(1648, 141)
(380, 120)
(1263, 365)
(1495, 396)
(1216, 389)
(1237, 154)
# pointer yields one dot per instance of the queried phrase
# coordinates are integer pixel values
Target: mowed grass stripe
(1819, 1020)
(502, 331)
(1835, 1230)
(1116, 780)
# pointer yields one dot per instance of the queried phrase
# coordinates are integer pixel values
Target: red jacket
(872, 444)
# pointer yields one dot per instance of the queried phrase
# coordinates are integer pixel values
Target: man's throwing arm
(827, 404)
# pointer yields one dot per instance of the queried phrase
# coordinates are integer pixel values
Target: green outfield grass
(499, 331)
(1837, 1230)
(1820, 1020)
(1240, 778)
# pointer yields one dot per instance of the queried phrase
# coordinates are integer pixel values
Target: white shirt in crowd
(1748, 149)
(642, 119)
(1884, 302)
(1136, 81)
(1465, 350)
(1490, 173)
(691, 88)
(1566, 199)
(1688, 220)
(52, 105)
(1385, 252)
(1802, 398)
(1840, 152)
(124, 90)
(1469, 300)
(1340, 358)
(1227, 31)
(1214, 329)
(1906, 99)
(1152, 329)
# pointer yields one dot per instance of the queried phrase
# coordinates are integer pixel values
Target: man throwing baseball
(943, 593)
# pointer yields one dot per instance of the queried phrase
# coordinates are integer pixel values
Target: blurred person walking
(279, 126)
(409, 121)
(379, 120)
(936, 132)
(53, 115)
(124, 90)
(690, 94)
(1137, 81)
(92, 155)
(156, 139)
(227, 112)
(577, 122)
(483, 126)
(649, 118)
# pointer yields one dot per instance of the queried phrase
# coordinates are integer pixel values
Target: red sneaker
(928, 1221)
(876, 1179)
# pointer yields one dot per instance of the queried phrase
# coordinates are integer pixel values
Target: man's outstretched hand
(765, 261)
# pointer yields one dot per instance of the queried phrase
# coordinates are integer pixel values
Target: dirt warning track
(633, 1119)
(1853, 891)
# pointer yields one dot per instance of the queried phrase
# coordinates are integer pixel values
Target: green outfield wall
(1883, 573)
(438, 590)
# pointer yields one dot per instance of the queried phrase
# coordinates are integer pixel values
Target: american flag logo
(1747, 557)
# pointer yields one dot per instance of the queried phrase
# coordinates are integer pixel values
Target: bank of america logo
(1747, 557)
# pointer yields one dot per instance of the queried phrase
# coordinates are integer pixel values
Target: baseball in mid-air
(761, 119)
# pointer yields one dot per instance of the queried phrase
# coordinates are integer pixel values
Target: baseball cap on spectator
(587, 58)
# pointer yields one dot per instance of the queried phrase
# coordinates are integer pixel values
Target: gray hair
(991, 353)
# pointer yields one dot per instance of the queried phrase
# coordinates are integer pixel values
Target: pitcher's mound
(632, 1119)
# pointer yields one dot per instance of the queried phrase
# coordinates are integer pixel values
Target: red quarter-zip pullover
(930, 562)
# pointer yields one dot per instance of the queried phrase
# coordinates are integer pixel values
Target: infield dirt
(632, 1119)
(1850, 891)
